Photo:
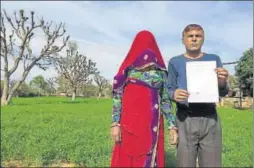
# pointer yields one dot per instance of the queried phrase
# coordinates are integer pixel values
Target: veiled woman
(140, 100)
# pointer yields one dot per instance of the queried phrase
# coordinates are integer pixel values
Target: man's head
(193, 37)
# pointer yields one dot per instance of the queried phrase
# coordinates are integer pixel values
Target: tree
(76, 68)
(108, 91)
(63, 84)
(50, 88)
(16, 35)
(232, 81)
(102, 84)
(233, 85)
(25, 91)
(89, 90)
(244, 72)
(39, 83)
(12, 83)
(2, 84)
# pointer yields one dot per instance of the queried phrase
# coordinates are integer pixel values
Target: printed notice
(202, 82)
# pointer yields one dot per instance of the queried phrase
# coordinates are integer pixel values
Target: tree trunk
(99, 95)
(66, 92)
(74, 94)
(5, 90)
(16, 86)
(39, 92)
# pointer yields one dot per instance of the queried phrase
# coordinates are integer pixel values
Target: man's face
(193, 40)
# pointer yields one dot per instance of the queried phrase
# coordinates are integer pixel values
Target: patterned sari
(140, 99)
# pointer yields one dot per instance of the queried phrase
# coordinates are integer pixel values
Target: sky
(105, 30)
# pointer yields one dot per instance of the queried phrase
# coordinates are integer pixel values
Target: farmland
(48, 131)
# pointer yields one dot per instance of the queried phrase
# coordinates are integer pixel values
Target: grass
(51, 131)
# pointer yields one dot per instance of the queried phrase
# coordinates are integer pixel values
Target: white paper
(202, 82)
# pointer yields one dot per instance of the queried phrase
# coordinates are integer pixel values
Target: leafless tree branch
(75, 67)
(23, 29)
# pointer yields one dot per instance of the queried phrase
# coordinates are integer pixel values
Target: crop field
(54, 131)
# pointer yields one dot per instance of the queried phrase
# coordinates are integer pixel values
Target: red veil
(139, 106)
(144, 40)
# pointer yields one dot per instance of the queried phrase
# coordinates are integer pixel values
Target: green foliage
(43, 131)
(25, 90)
(244, 71)
(39, 83)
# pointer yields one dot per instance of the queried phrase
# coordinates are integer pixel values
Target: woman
(140, 97)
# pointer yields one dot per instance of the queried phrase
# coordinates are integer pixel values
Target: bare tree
(16, 35)
(63, 84)
(75, 67)
(87, 88)
(102, 84)
(51, 85)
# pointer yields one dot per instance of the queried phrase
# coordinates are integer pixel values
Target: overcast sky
(105, 30)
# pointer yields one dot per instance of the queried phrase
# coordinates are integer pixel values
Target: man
(198, 124)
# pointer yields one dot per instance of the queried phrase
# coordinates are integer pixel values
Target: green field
(52, 131)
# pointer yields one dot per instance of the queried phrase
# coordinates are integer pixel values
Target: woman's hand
(116, 132)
